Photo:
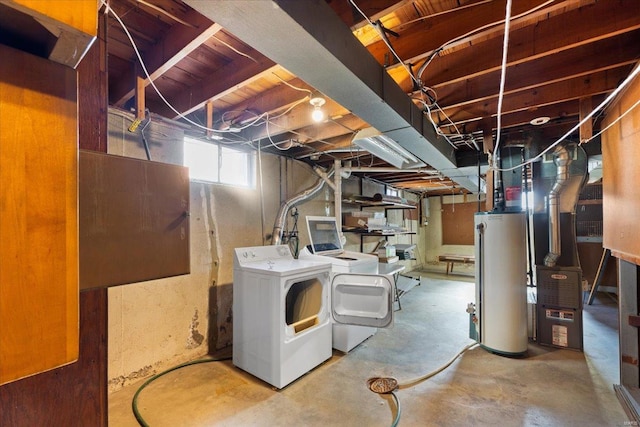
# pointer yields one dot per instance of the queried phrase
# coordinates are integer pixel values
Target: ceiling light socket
(538, 121)
(317, 101)
(317, 115)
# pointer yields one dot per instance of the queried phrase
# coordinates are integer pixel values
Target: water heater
(499, 316)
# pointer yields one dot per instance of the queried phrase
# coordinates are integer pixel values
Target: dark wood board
(134, 223)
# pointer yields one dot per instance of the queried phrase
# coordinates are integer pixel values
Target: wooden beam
(418, 40)
(177, 43)
(530, 100)
(586, 129)
(225, 80)
(209, 117)
(373, 9)
(549, 37)
(621, 51)
(298, 118)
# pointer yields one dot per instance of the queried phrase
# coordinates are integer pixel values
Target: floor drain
(382, 385)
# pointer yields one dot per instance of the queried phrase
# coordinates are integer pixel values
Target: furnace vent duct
(281, 218)
(562, 160)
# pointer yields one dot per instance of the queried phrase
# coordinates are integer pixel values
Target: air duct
(562, 160)
(326, 49)
(278, 226)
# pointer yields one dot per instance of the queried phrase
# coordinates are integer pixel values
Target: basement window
(210, 162)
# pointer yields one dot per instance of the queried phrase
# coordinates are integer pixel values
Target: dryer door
(362, 299)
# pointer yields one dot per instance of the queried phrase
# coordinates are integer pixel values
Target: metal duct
(281, 218)
(328, 57)
(562, 160)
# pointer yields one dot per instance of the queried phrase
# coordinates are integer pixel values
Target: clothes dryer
(326, 246)
(283, 309)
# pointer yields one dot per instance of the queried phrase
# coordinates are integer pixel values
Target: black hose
(134, 401)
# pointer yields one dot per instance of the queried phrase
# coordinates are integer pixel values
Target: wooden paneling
(74, 395)
(621, 175)
(134, 223)
(79, 14)
(38, 215)
(72, 23)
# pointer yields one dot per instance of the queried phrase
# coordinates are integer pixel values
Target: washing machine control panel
(263, 253)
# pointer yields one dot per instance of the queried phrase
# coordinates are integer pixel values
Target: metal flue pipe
(281, 218)
(562, 160)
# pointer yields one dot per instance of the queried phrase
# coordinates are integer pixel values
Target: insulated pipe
(276, 238)
(561, 159)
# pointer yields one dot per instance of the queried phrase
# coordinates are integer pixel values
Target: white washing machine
(283, 311)
(326, 246)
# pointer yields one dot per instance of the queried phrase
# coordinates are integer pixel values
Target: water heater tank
(501, 282)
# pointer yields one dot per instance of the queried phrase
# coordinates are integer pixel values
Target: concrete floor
(548, 387)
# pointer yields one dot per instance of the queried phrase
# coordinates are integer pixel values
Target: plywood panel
(134, 223)
(38, 215)
(621, 176)
(457, 223)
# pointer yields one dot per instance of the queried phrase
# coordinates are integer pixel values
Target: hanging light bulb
(317, 115)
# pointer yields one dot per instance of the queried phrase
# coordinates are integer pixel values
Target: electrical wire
(503, 72)
(301, 89)
(386, 42)
(424, 66)
(146, 72)
(612, 123)
(234, 49)
(134, 401)
(444, 12)
(600, 106)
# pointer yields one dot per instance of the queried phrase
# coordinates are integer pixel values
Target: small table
(392, 271)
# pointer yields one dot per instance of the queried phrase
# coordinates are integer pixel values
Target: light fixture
(386, 149)
(317, 115)
(538, 121)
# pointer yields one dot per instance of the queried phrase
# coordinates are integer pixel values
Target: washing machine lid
(362, 299)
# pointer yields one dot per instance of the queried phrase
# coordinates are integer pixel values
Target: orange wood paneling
(79, 14)
(38, 215)
(621, 175)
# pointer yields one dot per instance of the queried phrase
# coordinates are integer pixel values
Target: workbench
(451, 259)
